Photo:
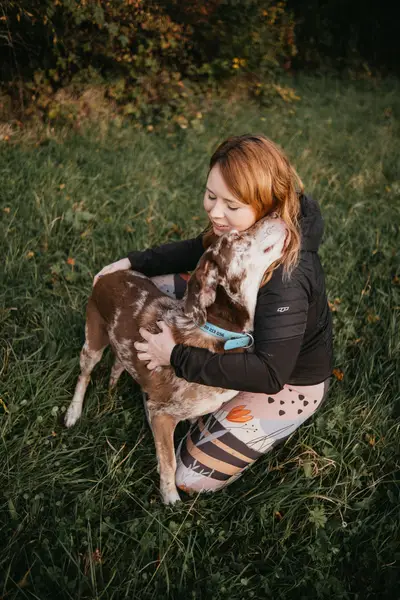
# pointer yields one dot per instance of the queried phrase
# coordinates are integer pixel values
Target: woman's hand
(158, 347)
(120, 265)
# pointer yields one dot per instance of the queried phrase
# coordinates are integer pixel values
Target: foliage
(146, 56)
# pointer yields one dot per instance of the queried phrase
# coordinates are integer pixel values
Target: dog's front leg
(163, 427)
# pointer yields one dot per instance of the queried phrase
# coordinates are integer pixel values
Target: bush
(146, 55)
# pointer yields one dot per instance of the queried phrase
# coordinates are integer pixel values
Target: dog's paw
(171, 497)
(73, 413)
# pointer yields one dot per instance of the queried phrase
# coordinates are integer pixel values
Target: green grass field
(81, 516)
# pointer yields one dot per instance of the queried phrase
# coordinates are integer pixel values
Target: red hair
(259, 174)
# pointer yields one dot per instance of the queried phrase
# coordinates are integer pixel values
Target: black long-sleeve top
(292, 325)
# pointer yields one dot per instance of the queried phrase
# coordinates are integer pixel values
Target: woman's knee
(203, 466)
(190, 476)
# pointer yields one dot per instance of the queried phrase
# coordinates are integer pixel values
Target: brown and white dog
(222, 291)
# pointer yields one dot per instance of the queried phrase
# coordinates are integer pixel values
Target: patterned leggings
(220, 446)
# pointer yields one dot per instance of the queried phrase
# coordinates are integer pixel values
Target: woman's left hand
(158, 346)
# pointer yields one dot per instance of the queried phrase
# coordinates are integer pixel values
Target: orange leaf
(371, 318)
(334, 305)
(338, 374)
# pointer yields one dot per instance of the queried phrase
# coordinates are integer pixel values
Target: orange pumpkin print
(239, 414)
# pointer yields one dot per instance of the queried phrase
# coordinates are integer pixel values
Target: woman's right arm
(175, 257)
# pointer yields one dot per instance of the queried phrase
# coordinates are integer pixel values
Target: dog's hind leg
(96, 340)
(163, 427)
(116, 373)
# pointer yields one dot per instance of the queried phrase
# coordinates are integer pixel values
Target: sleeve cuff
(175, 358)
(133, 256)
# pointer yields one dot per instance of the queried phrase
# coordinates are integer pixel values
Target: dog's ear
(201, 291)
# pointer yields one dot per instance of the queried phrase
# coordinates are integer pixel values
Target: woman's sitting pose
(284, 381)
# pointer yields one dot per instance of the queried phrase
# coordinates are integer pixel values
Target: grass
(80, 513)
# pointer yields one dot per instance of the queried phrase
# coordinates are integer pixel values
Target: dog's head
(237, 263)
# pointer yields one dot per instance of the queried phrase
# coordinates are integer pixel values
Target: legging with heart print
(220, 446)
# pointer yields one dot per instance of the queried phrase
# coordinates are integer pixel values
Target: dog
(216, 313)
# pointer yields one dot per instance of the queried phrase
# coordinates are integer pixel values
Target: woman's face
(224, 210)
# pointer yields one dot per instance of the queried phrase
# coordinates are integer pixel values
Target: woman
(284, 381)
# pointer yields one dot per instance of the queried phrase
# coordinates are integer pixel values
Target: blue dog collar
(232, 339)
